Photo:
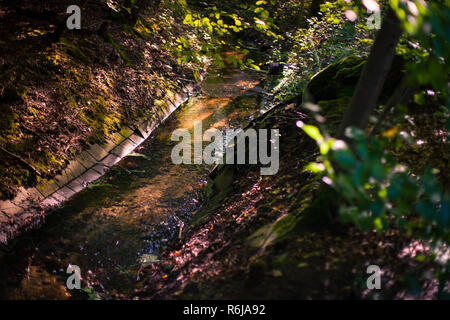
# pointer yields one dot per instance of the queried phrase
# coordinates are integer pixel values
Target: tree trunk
(314, 7)
(373, 75)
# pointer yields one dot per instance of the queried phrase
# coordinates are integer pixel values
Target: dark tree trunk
(373, 75)
(314, 8)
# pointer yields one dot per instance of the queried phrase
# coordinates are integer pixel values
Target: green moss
(100, 120)
(335, 106)
(285, 225)
(12, 175)
(262, 237)
(46, 161)
(125, 132)
(49, 64)
(78, 77)
(141, 30)
(138, 30)
(119, 49)
(73, 50)
(334, 110)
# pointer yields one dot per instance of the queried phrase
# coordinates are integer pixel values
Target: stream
(132, 212)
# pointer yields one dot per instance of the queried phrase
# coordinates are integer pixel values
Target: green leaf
(313, 132)
(265, 14)
(315, 167)
(345, 158)
(325, 146)
(378, 224)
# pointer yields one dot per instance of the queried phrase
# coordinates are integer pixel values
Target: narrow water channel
(134, 210)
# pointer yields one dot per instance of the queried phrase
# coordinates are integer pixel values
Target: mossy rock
(334, 110)
(339, 79)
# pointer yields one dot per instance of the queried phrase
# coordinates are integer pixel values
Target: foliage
(425, 41)
(213, 27)
(92, 294)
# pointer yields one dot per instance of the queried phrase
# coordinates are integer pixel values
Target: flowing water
(132, 211)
